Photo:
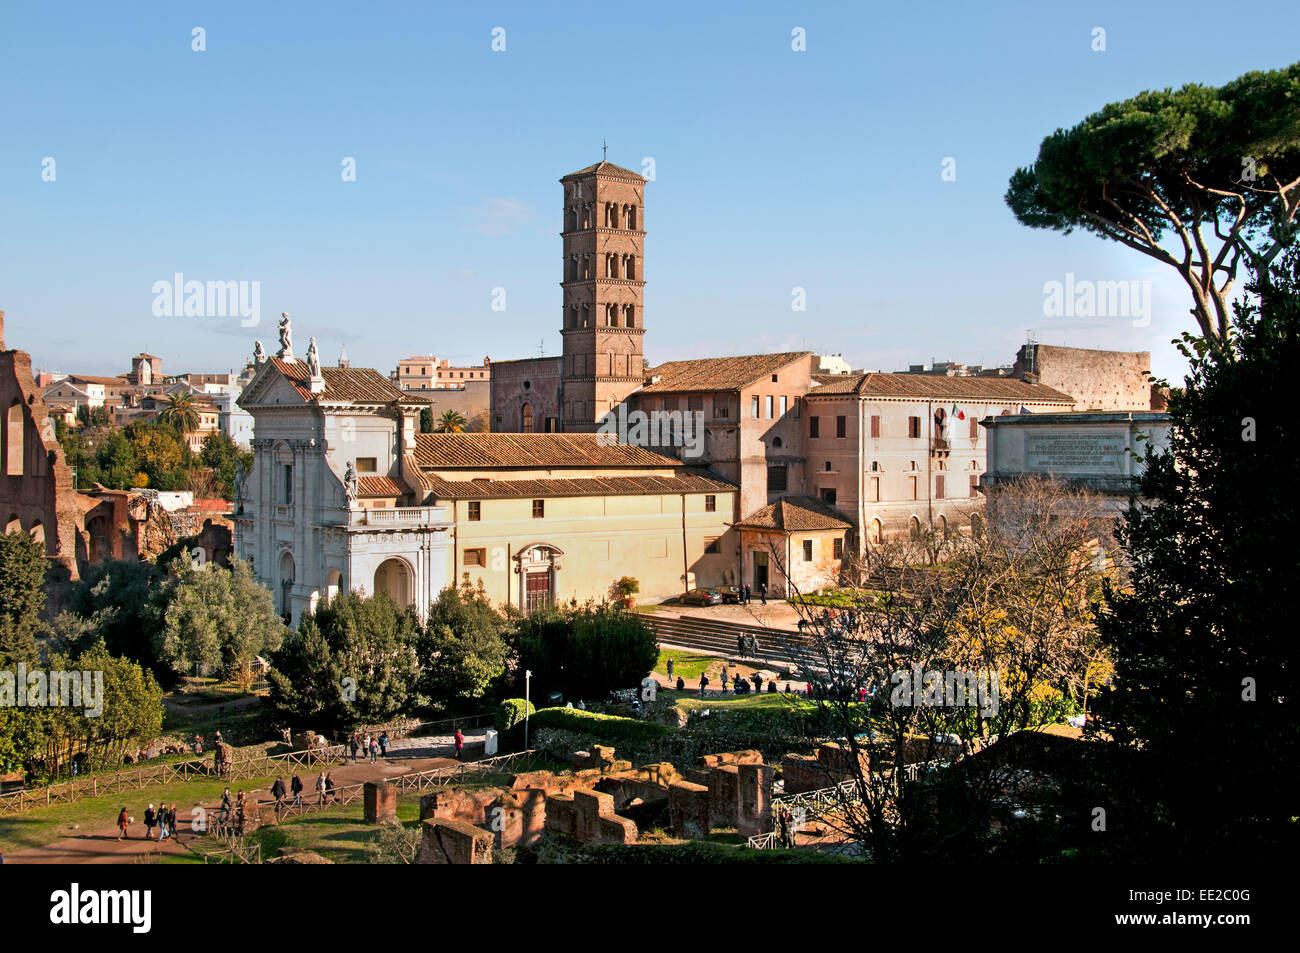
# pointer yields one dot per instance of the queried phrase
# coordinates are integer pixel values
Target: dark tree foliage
(1202, 179)
(463, 648)
(127, 600)
(351, 662)
(1204, 644)
(585, 651)
(22, 574)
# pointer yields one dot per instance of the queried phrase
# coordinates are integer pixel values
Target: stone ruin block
(470, 806)
(803, 772)
(591, 805)
(724, 785)
(662, 773)
(688, 809)
(561, 814)
(454, 842)
(617, 830)
(838, 762)
(754, 807)
(381, 803)
(522, 817)
(748, 756)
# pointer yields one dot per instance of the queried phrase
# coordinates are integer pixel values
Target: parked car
(701, 597)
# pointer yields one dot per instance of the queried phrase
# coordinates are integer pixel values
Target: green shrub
(607, 729)
(512, 712)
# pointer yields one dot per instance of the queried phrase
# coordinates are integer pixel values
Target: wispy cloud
(498, 216)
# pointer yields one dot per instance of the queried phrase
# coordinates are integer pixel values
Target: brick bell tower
(604, 281)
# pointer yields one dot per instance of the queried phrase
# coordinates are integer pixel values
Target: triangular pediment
(270, 387)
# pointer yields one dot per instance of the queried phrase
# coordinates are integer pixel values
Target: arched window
(629, 315)
(286, 585)
(526, 416)
(877, 533)
(394, 577)
(943, 526)
(14, 441)
(914, 528)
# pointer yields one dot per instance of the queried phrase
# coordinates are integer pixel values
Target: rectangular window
(807, 550)
(875, 489)
(785, 406)
(288, 483)
(914, 427)
(913, 479)
(753, 405)
(974, 484)
(875, 425)
(938, 486)
(367, 464)
(711, 545)
(776, 479)
(475, 511)
(710, 503)
(475, 557)
(814, 427)
(838, 548)
(769, 406)
(539, 509)
(720, 407)
(974, 428)
(840, 427)
(695, 402)
(828, 494)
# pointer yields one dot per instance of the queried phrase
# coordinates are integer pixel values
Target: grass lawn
(755, 700)
(688, 666)
(46, 824)
(336, 833)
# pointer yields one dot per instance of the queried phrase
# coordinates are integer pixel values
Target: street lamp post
(528, 674)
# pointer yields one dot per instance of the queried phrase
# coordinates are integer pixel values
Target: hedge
(609, 729)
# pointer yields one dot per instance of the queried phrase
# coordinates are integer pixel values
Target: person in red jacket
(460, 745)
(123, 820)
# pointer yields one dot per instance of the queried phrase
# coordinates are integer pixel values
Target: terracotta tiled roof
(372, 486)
(686, 482)
(530, 450)
(358, 385)
(604, 167)
(927, 386)
(792, 514)
(107, 381)
(717, 373)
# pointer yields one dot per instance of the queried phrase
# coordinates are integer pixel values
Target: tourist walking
(123, 819)
(355, 745)
(162, 821)
(460, 745)
(724, 678)
(704, 683)
(383, 744)
(277, 792)
(320, 786)
(225, 806)
(149, 817)
(171, 821)
(670, 670)
(329, 787)
(741, 645)
(762, 592)
(374, 750)
(295, 787)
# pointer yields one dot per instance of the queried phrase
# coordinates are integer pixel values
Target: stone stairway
(717, 637)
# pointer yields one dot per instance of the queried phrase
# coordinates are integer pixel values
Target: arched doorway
(526, 416)
(38, 532)
(877, 533)
(333, 585)
(914, 528)
(536, 566)
(286, 587)
(394, 577)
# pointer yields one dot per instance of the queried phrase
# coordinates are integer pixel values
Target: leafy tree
(181, 413)
(126, 601)
(221, 454)
(352, 661)
(586, 651)
(1200, 179)
(463, 648)
(160, 453)
(451, 421)
(426, 420)
(1205, 679)
(220, 618)
(22, 575)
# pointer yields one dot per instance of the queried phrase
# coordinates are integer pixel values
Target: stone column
(754, 799)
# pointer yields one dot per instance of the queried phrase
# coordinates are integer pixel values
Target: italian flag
(959, 414)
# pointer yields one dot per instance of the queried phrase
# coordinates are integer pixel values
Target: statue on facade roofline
(286, 339)
(259, 353)
(313, 358)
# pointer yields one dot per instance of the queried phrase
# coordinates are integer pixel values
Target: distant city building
(431, 373)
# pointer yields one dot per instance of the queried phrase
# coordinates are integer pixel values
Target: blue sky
(774, 169)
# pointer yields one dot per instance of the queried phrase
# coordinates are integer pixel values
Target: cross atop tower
(604, 151)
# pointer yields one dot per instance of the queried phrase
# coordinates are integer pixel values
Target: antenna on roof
(541, 347)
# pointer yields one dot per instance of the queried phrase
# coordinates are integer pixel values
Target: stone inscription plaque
(1071, 453)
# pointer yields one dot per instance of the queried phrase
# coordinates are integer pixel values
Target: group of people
(744, 593)
(373, 747)
(747, 645)
(163, 817)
